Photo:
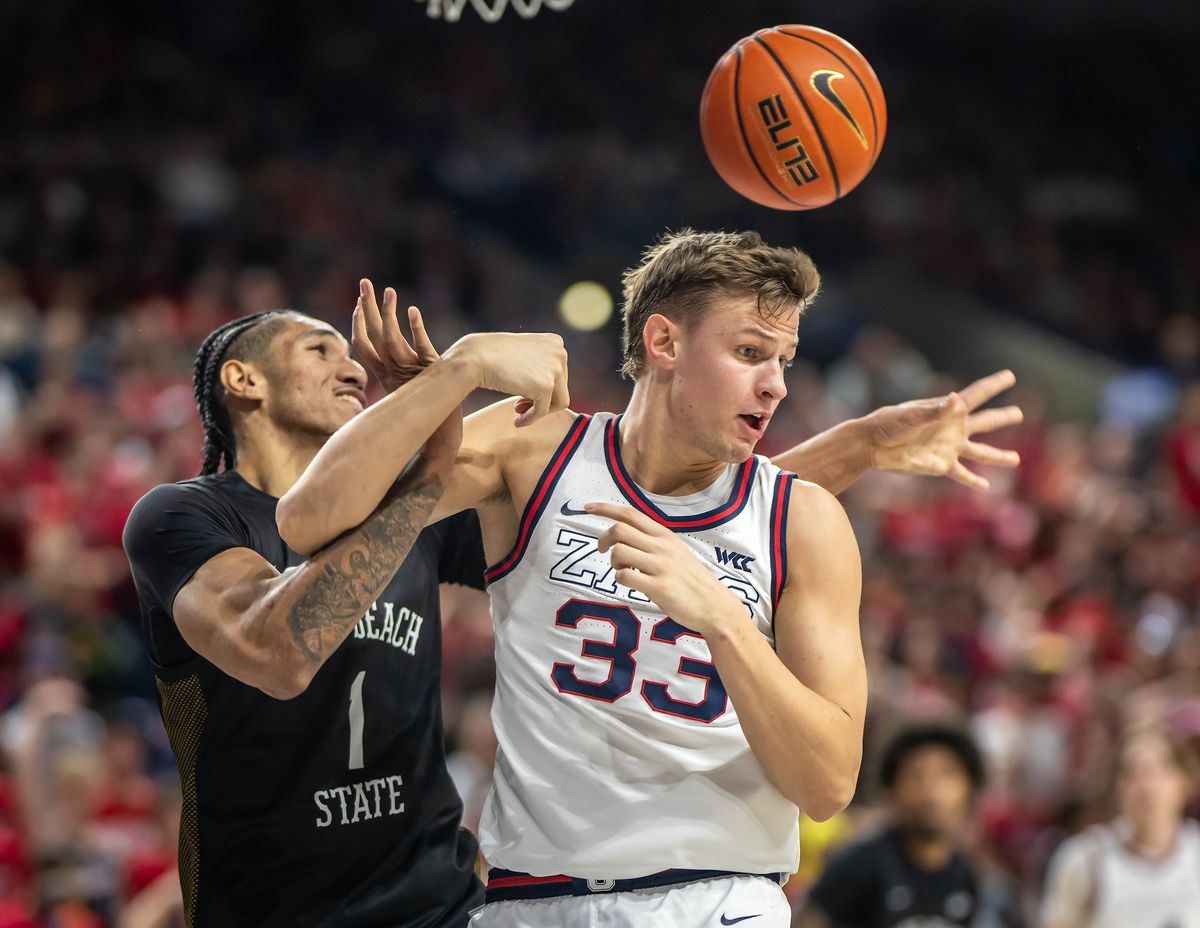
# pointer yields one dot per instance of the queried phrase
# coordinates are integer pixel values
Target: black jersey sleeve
(846, 885)
(461, 559)
(171, 533)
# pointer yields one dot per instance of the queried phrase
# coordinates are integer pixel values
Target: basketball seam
(854, 74)
(837, 184)
(737, 108)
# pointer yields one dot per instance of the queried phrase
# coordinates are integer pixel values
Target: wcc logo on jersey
(734, 559)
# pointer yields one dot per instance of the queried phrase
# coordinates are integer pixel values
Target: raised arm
(273, 631)
(802, 704)
(929, 436)
(354, 469)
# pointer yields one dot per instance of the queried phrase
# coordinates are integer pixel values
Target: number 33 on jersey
(609, 711)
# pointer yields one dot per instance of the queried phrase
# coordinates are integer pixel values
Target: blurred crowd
(164, 169)
(1048, 614)
(148, 149)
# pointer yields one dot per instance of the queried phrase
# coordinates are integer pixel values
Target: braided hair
(244, 338)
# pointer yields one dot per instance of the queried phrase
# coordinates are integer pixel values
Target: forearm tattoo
(351, 570)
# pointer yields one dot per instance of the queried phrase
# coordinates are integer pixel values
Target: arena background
(166, 167)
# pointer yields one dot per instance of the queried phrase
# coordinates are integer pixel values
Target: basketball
(793, 117)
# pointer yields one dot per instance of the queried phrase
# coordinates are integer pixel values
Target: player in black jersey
(301, 697)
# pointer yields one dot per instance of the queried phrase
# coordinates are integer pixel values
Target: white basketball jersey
(619, 753)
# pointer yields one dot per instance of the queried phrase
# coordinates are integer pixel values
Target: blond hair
(681, 273)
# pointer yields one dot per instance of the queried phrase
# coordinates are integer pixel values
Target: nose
(353, 372)
(773, 386)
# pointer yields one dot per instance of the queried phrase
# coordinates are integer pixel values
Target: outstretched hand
(934, 436)
(376, 337)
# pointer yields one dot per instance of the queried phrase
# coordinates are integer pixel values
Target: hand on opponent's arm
(393, 361)
(930, 436)
(356, 467)
(801, 705)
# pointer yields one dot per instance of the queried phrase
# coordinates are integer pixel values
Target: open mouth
(756, 422)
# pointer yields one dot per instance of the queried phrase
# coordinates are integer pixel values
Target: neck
(1153, 838)
(657, 452)
(927, 852)
(274, 462)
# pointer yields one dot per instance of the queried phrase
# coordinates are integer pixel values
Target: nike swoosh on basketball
(726, 920)
(566, 510)
(822, 83)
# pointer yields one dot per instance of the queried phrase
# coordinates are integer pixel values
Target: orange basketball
(793, 117)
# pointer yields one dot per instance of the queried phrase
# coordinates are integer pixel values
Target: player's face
(1151, 786)
(315, 386)
(729, 377)
(932, 792)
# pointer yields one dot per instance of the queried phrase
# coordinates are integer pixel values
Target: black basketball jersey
(333, 809)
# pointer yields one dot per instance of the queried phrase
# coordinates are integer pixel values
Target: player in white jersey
(678, 658)
(1141, 870)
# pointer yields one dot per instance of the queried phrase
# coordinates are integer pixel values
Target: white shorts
(748, 901)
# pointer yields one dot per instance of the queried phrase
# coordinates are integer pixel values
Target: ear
(662, 340)
(243, 381)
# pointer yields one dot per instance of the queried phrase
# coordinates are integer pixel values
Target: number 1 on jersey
(357, 718)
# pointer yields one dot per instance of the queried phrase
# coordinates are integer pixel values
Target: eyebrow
(765, 334)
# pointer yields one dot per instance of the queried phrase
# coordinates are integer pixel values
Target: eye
(319, 347)
(747, 352)
(787, 363)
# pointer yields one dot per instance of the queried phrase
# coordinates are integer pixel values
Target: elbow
(291, 520)
(275, 661)
(288, 683)
(831, 800)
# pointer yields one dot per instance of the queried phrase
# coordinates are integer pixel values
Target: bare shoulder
(531, 449)
(813, 513)
(821, 547)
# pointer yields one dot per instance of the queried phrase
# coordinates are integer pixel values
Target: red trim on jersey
(779, 520)
(504, 882)
(537, 501)
(631, 492)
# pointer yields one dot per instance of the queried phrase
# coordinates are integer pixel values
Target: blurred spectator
(1141, 870)
(916, 871)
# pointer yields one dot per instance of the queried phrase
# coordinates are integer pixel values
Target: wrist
(462, 361)
(722, 622)
(862, 444)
